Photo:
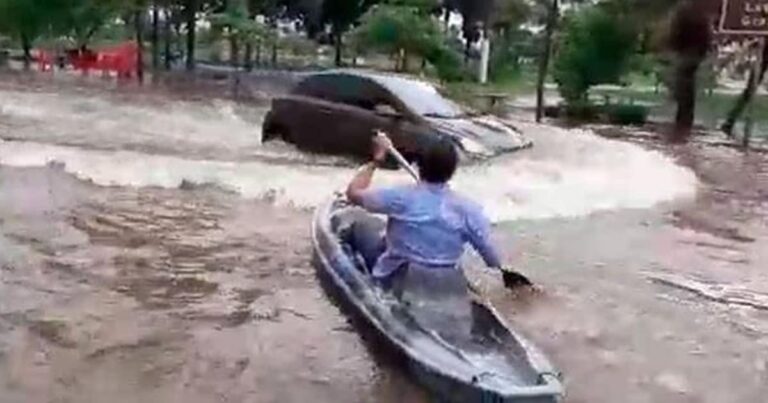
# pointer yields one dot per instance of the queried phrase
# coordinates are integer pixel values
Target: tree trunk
(339, 48)
(685, 94)
(274, 53)
(690, 36)
(756, 78)
(178, 39)
(167, 36)
(467, 49)
(249, 45)
(248, 57)
(234, 50)
(554, 12)
(191, 14)
(258, 52)
(26, 45)
(139, 27)
(155, 35)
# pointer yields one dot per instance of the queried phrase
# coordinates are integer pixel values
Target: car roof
(393, 82)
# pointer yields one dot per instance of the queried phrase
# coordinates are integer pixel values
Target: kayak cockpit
(457, 345)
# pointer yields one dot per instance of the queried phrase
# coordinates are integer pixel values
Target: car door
(353, 116)
(313, 114)
(403, 128)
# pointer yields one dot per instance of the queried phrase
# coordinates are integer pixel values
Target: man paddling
(429, 225)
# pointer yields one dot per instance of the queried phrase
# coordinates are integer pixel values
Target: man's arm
(479, 228)
(362, 180)
(360, 183)
(480, 239)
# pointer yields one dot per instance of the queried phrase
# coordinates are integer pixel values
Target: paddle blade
(513, 279)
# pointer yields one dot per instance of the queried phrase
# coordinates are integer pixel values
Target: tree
(595, 48)
(508, 15)
(689, 37)
(756, 77)
(83, 18)
(476, 15)
(191, 8)
(340, 15)
(241, 28)
(399, 30)
(155, 37)
(27, 20)
(507, 36)
(170, 13)
(553, 14)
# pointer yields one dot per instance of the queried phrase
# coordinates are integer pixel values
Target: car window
(320, 86)
(342, 88)
(423, 98)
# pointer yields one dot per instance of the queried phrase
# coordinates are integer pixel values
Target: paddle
(511, 278)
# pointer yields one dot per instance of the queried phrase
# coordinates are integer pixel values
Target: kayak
(457, 347)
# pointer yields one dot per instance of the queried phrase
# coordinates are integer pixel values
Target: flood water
(154, 250)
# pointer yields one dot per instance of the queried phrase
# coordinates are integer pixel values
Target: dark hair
(438, 161)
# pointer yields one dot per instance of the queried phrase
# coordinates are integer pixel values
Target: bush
(447, 64)
(581, 111)
(596, 48)
(552, 111)
(627, 114)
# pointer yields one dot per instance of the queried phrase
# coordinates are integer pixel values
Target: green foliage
(581, 110)
(392, 29)
(595, 48)
(406, 28)
(83, 18)
(236, 23)
(447, 64)
(510, 14)
(423, 6)
(507, 52)
(341, 14)
(27, 20)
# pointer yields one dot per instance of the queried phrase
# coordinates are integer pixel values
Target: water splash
(568, 173)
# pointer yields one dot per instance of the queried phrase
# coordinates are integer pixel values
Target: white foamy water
(218, 128)
(568, 173)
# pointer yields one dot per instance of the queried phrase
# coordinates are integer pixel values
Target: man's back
(428, 225)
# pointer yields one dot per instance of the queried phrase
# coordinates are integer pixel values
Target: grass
(711, 109)
(524, 82)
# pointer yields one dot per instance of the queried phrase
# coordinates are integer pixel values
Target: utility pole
(485, 55)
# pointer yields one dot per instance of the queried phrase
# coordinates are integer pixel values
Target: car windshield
(423, 98)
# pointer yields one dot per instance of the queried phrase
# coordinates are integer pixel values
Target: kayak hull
(493, 364)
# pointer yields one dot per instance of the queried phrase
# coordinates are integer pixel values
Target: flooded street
(152, 249)
(114, 294)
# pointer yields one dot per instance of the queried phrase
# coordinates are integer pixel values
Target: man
(429, 225)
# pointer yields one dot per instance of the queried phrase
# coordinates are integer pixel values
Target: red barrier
(121, 59)
(44, 60)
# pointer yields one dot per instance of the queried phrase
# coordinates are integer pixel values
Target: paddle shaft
(401, 160)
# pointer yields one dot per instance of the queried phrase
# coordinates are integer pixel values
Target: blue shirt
(428, 225)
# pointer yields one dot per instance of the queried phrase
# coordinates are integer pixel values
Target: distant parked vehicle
(337, 112)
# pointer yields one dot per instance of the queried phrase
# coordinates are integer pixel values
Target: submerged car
(338, 112)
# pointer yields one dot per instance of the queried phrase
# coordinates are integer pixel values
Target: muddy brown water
(125, 294)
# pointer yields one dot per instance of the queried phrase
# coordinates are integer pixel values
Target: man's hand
(381, 146)
(513, 279)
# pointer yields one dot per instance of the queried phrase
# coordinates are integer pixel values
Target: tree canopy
(595, 48)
